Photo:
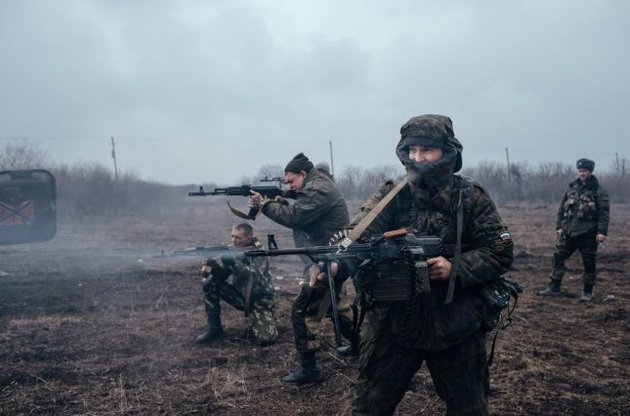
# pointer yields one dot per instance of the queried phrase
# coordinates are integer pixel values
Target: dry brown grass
(87, 328)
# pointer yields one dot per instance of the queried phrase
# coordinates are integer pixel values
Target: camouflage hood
(430, 130)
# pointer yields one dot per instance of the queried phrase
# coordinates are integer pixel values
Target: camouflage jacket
(319, 210)
(584, 209)
(240, 271)
(433, 325)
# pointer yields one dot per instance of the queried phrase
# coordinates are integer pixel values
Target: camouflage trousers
(587, 245)
(261, 321)
(310, 307)
(460, 375)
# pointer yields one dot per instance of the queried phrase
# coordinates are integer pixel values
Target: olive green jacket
(319, 210)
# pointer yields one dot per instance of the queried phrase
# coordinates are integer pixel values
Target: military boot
(213, 332)
(587, 293)
(552, 290)
(307, 373)
(351, 350)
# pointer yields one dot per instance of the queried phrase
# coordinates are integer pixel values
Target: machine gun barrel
(205, 251)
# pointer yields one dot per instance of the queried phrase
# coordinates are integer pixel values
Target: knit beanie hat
(298, 164)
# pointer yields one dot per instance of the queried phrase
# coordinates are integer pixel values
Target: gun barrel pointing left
(243, 190)
(392, 245)
(201, 251)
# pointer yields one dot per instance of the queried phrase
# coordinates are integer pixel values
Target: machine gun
(245, 190)
(201, 251)
(409, 248)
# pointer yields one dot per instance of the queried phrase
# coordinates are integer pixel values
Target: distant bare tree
(268, 171)
(358, 183)
(22, 154)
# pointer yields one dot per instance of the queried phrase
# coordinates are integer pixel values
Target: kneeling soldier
(243, 283)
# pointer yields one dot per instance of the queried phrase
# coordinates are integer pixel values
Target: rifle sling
(239, 213)
(370, 216)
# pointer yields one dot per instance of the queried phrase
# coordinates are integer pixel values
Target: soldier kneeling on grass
(243, 283)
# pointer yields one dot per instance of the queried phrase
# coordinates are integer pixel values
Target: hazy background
(197, 91)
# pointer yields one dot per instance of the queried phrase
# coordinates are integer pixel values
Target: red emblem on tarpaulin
(20, 214)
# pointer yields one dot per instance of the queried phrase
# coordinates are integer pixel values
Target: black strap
(501, 326)
(458, 251)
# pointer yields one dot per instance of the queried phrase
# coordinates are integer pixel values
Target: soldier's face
(422, 154)
(584, 174)
(295, 181)
(238, 238)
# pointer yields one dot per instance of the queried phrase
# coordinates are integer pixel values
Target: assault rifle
(278, 179)
(201, 251)
(245, 190)
(411, 247)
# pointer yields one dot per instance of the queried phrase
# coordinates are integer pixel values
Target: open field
(91, 325)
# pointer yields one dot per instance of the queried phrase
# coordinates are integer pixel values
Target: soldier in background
(243, 283)
(581, 224)
(324, 168)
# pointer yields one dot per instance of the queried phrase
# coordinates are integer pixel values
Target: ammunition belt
(394, 281)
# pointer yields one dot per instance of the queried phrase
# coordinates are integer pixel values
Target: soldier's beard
(432, 176)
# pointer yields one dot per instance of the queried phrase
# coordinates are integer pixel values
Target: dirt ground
(91, 324)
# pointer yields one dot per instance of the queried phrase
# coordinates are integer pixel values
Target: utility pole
(114, 157)
(332, 165)
(617, 163)
(507, 155)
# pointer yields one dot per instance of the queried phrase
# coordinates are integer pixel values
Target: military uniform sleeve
(491, 247)
(250, 269)
(311, 204)
(603, 211)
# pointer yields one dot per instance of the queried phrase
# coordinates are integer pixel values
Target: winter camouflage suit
(319, 210)
(397, 337)
(583, 213)
(230, 281)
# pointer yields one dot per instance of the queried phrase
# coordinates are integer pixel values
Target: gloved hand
(227, 260)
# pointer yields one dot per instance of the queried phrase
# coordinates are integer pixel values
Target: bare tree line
(91, 190)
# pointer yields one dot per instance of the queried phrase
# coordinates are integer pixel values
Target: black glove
(227, 260)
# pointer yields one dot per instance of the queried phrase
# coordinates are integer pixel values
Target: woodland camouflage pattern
(229, 282)
(583, 213)
(397, 337)
(584, 209)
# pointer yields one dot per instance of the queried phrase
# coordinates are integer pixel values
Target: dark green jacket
(319, 210)
(584, 209)
(433, 325)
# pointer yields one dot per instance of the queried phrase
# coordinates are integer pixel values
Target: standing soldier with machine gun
(444, 326)
(318, 212)
(243, 283)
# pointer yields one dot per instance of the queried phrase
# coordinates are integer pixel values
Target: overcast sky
(198, 91)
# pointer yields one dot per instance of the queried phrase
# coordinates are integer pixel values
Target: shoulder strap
(458, 251)
(370, 216)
